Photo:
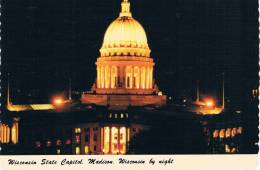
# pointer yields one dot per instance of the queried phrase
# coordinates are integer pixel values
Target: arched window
(114, 78)
(222, 133)
(128, 77)
(136, 77)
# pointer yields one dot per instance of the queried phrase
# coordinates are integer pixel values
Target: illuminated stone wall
(103, 139)
(9, 134)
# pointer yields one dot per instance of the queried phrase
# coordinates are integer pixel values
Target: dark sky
(44, 42)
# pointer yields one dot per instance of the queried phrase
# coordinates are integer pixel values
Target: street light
(58, 101)
(209, 103)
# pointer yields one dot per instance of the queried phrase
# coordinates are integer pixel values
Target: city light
(58, 101)
(209, 103)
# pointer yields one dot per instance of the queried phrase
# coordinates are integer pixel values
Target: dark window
(128, 82)
(116, 81)
(87, 137)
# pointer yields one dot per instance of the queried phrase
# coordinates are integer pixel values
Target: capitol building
(125, 67)
(124, 112)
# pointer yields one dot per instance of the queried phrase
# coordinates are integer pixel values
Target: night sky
(44, 42)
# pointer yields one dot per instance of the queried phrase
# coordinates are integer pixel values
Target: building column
(118, 139)
(4, 134)
(147, 76)
(110, 75)
(131, 78)
(122, 76)
(127, 138)
(143, 74)
(1, 133)
(139, 77)
(102, 139)
(110, 140)
(151, 86)
(98, 77)
(126, 143)
(102, 77)
(151, 77)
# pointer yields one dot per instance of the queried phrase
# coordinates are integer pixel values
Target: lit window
(227, 149)
(77, 150)
(106, 139)
(58, 151)
(37, 144)
(68, 141)
(234, 132)
(215, 133)
(233, 150)
(58, 142)
(86, 149)
(228, 132)
(14, 133)
(122, 115)
(77, 130)
(222, 133)
(110, 115)
(239, 130)
(48, 143)
(126, 115)
(77, 138)
(115, 115)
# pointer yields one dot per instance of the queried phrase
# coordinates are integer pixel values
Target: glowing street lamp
(58, 101)
(209, 103)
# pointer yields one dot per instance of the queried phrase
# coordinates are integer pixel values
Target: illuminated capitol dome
(125, 36)
(124, 68)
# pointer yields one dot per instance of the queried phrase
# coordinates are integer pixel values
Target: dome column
(151, 77)
(143, 77)
(102, 77)
(147, 77)
(98, 77)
